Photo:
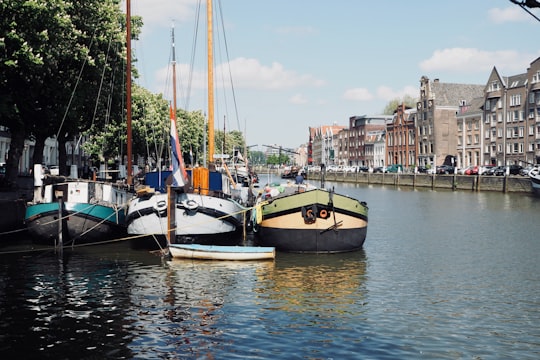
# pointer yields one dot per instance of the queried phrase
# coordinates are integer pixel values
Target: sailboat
(207, 210)
(70, 210)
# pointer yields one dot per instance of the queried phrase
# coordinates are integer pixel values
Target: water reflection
(324, 282)
(56, 306)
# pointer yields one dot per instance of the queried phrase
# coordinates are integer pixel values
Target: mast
(128, 92)
(174, 71)
(210, 82)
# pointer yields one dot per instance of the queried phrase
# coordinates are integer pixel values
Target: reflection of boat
(297, 278)
(206, 209)
(310, 220)
(534, 175)
(210, 252)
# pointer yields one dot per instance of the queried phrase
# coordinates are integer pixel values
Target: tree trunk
(62, 156)
(14, 155)
(37, 157)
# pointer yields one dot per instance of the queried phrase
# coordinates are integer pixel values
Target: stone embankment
(506, 184)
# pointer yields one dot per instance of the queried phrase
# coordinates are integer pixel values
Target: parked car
(484, 170)
(515, 169)
(380, 169)
(395, 168)
(445, 169)
(471, 170)
(525, 170)
(499, 171)
(423, 169)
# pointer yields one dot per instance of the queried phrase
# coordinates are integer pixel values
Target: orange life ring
(323, 213)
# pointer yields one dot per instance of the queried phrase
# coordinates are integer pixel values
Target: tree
(392, 105)
(62, 71)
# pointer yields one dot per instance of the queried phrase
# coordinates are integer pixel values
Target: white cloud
(298, 99)
(358, 94)
(246, 73)
(250, 73)
(158, 13)
(470, 60)
(509, 14)
(386, 93)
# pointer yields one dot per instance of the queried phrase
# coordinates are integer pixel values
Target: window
(494, 86)
(476, 139)
(515, 100)
(536, 77)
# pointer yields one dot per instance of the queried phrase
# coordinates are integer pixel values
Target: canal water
(443, 275)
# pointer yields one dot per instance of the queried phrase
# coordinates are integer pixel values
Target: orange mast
(210, 82)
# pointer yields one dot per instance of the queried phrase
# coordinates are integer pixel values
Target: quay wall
(506, 184)
(510, 184)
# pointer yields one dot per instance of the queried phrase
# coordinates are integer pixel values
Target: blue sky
(301, 63)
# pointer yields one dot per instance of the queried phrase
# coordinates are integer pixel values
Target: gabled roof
(448, 94)
(472, 107)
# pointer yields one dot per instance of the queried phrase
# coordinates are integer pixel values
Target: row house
(436, 125)
(401, 138)
(503, 126)
(324, 144)
(375, 149)
(359, 128)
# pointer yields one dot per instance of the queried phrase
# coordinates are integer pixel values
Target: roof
(448, 94)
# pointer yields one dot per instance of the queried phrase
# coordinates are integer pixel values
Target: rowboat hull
(214, 252)
(314, 221)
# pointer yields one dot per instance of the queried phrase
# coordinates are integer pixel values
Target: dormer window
(494, 86)
(536, 78)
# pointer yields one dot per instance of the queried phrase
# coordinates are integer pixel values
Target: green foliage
(392, 105)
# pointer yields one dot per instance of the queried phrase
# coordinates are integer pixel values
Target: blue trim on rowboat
(224, 249)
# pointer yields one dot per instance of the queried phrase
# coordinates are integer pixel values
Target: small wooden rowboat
(217, 252)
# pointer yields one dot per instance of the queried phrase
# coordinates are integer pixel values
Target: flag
(178, 168)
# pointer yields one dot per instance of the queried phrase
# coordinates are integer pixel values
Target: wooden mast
(171, 195)
(128, 92)
(210, 82)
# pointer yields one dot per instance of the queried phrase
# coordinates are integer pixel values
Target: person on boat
(299, 179)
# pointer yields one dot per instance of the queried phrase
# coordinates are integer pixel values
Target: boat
(71, 210)
(75, 211)
(304, 218)
(534, 175)
(208, 206)
(211, 252)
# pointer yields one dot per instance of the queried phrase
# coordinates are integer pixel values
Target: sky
(297, 64)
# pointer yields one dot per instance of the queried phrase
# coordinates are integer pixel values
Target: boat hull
(81, 223)
(534, 175)
(314, 221)
(201, 219)
(212, 252)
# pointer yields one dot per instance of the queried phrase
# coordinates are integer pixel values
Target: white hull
(534, 175)
(211, 252)
(196, 215)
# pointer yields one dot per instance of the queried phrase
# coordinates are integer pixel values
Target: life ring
(309, 215)
(190, 204)
(160, 206)
(323, 213)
